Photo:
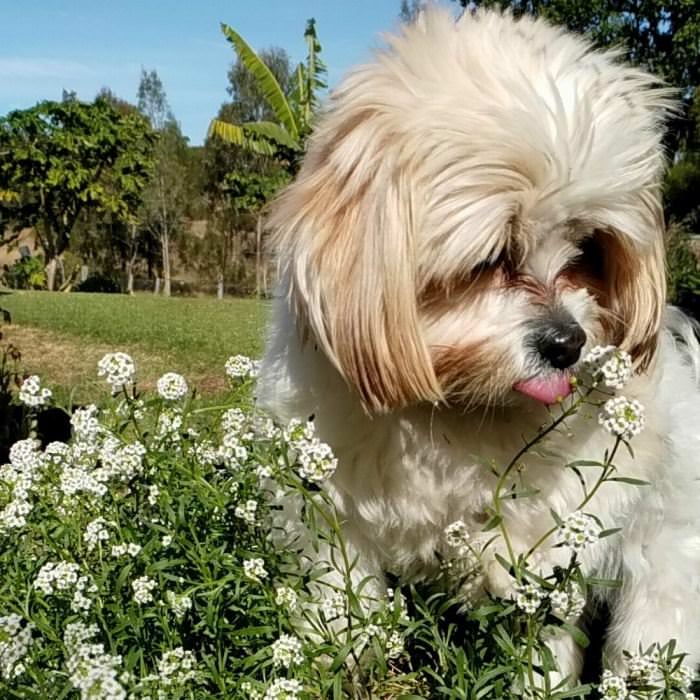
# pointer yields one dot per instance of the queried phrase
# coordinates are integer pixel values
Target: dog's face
(476, 207)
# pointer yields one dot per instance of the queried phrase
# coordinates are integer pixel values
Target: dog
(479, 206)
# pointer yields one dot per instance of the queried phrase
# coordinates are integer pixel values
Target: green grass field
(61, 336)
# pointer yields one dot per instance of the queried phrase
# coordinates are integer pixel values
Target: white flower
(86, 427)
(394, 645)
(250, 692)
(286, 651)
(682, 677)
(179, 604)
(172, 386)
(612, 687)
(176, 667)
(117, 368)
(92, 671)
(286, 597)
(31, 393)
(568, 604)
(610, 365)
(153, 493)
(255, 569)
(313, 459)
(622, 417)
(96, 532)
(125, 549)
(457, 535)
(643, 668)
(15, 641)
(528, 597)
(283, 689)
(247, 512)
(143, 589)
(333, 605)
(578, 531)
(241, 367)
(56, 576)
(166, 540)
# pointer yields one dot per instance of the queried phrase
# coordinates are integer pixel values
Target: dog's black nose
(560, 344)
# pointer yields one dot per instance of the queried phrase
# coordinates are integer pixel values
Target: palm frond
(271, 90)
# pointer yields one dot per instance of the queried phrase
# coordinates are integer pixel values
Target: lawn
(62, 336)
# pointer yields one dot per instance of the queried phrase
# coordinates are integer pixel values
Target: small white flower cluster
(86, 427)
(169, 424)
(92, 671)
(179, 604)
(622, 417)
(529, 597)
(286, 597)
(333, 605)
(241, 367)
(578, 531)
(96, 532)
(255, 569)
(393, 643)
(609, 365)
(56, 576)
(176, 667)
(15, 641)
(283, 689)
(569, 604)
(64, 576)
(612, 687)
(457, 536)
(232, 452)
(313, 459)
(18, 477)
(32, 394)
(117, 368)
(143, 589)
(172, 386)
(649, 675)
(286, 651)
(124, 549)
(247, 512)
(233, 421)
(119, 460)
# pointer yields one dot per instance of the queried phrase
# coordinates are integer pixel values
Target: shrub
(26, 273)
(683, 272)
(99, 283)
(147, 559)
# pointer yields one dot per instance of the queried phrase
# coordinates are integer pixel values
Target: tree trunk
(156, 285)
(130, 278)
(220, 285)
(165, 243)
(51, 274)
(258, 256)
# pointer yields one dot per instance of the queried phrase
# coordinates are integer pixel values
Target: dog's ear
(637, 294)
(344, 232)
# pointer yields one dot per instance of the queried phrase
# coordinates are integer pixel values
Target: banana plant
(293, 113)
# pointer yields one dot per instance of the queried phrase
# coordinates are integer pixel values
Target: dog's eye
(591, 258)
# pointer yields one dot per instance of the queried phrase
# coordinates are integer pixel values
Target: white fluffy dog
(478, 207)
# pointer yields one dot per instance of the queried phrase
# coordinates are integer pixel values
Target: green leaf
(629, 480)
(270, 88)
(492, 523)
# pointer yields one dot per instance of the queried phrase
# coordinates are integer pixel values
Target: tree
(61, 159)
(165, 199)
(659, 35)
(285, 136)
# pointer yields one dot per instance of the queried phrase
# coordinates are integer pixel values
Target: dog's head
(477, 205)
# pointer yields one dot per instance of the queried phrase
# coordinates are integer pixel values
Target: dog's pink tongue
(547, 388)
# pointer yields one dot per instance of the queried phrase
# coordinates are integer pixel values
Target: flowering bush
(142, 560)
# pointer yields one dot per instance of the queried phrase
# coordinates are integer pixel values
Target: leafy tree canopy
(59, 158)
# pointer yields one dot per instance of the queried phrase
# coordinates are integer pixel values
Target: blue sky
(82, 45)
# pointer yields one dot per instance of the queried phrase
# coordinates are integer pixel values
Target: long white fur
(454, 131)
